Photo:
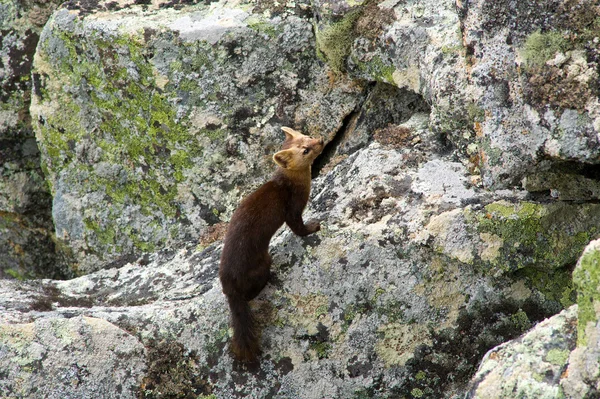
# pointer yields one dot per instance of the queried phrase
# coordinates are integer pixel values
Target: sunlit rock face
(456, 193)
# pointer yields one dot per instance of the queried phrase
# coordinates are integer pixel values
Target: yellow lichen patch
(490, 246)
(399, 342)
(444, 290)
(17, 334)
(328, 252)
(444, 228)
(309, 311)
(409, 78)
(161, 80)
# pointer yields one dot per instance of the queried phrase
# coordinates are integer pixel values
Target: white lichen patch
(399, 342)
(450, 235)
(490, 246)
(409, 78)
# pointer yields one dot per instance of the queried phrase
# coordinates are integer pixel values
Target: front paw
(313, 226)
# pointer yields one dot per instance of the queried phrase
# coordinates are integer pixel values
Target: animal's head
(298, 151)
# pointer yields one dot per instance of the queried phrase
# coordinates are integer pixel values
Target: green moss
(363, 393)
(538, 377)
(540, 47)
(378, 70)
(334, 41)
(321, 310)
(558, 357)
(263, 27)
(321, 348)
(520, 320)
(215, 134)
(474, 112)
(544, 236)
(453, 50)
(18, 275)
(106, 237)
(417, 393)
(392, 309)
(137, 128)
(350, 313)
(587, 280)
(556, 285)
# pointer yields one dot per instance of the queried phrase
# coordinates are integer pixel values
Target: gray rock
(514, 100)
(534, 112)
(26, 239)
(155, 119)
(531, 366)
(79, 357)
(582, 378)
(172, 115)
(559, 357)
(371, 305)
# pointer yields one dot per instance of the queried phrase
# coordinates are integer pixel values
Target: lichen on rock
(147, 127)
(448, 227)
(26, 238)
(586, 278)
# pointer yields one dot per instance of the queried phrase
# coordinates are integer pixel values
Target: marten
(245, 260)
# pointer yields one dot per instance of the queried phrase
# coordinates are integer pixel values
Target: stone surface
(531, 366)
(513, 87)
(583, 374)
(559, 357)
(534, 71)
(131, 172)
(170, 117)
(371, 306)
(455, 194)
(80, 357)
(26, 228)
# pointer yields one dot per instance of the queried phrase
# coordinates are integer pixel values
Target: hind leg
(258, 277)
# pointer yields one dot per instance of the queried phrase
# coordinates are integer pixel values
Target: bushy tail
(245, 344)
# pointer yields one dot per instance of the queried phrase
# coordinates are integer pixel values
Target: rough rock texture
(531, 366)
(534, 68)
(79, 357)
(556, 359)
(376, 304)
(513, 86)
(583, 379)
(151, 128)
(172, 113)
(447, 228)
(26, 243)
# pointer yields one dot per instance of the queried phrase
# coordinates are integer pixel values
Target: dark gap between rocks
(382, 106)
(331, 147)
(347, 124)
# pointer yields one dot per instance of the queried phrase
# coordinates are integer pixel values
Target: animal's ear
(290, 133)
(283, 158)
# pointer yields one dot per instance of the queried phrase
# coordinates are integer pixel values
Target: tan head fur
(298, 151)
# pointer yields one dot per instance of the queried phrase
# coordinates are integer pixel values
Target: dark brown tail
(245, 343)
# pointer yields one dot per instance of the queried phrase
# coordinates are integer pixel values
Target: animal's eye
(306, 151)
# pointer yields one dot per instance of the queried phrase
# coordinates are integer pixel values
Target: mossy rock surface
(152, 128)
(587, 281)
(26, 230)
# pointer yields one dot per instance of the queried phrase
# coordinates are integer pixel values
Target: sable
(245, 261)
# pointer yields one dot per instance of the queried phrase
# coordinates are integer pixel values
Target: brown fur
(245, 262)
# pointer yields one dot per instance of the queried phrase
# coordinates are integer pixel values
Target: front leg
(294, 220)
